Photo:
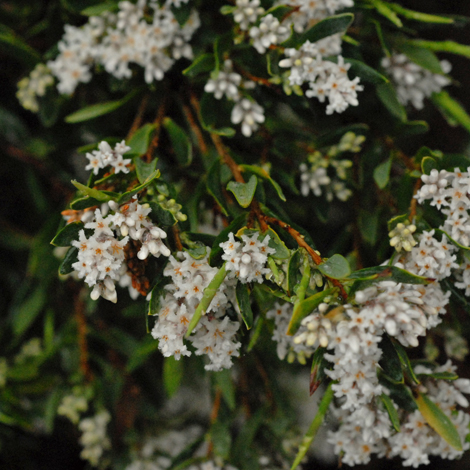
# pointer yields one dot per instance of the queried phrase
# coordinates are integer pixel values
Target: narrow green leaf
(324, 28)
(197, 250)
(224, 381)
(256, 333)
(95, 193)
(399, 393)
(173, 371)
(158, 291)
(417, 15)
(305, 308)
(444, 375)
(451, 108)
(141, 354)
(439, 421)
(221, 439)
(140, 140)
(317, 371)
(444, 46)
(293, 271)
(423, 57)
(279, 11)
(383, 273)
(179, 141)
(390, 361)
(70, 258)
(388, 96)
(392, 412)
(161, 216)
(214, 186)
(313, 429)
(384, 10)
(207, 297)
(244, 304)
(243, 192)
(27, 312)
(382, 173)
(84, 203)
(365, 73)
(336, 267)
(202, 64)
(405, 362)
(227, 9)
(96, 10)
(453, 241)
(15, 47)
(68, 234)
(96, 110)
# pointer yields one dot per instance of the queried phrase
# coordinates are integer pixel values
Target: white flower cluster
(229, 83)
(247, 262)
(214, 334)
(315, 178)
(101, 258)
(402, 237)
(71, 406)
(309, 12)
(448, 191)
(269, 32)
(455, 345)
(29, 88)
(247, 12)
(94, 438)
(326, 79)
(413, 82)
(143, 33)
(106, 156)
(281, 314)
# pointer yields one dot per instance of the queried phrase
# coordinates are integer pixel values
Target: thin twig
(82, 340)
(195, 128)
(139, 116)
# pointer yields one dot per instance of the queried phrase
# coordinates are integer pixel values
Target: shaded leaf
(392, 412)
(262, 173)
(382, 173)
(70, 258)
(140, 140)
(390, 361)
(172, 374)
(224, 381)
(202, 64)
(243, 192)
(336, 267)
(180, 142)
(214, 186)
(68, 234)
(452, 109)
(388, 97)
(244, 304)
(127, 196)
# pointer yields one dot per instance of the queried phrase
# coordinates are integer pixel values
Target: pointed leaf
(202, 64)
(418, 16)
(317, 371)
(262, 173)
(243, 192)
(140, 140)
(161, 216)
(444, 46)
(127, 196)
(451, 109)
(68, 234)
(428, 164)
(70, 258)
(439, 421)
(390, 361)
(382, 173)
(327, 27)
(405, 362)
(144, 170)
(293, 271)
(224, 380)
(179, 141)
(336, 267)
(383, 9)
(84, 203)
(423, 57)
(101, 196)
(173, 371)
(389, 98)
(214, 186)
(391, 410)
(365, 73)
(244, 304)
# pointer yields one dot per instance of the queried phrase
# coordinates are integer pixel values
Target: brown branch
(139, 116)
(414, 201)
(195, 128)
(80, 317)
(148, 157)
(213, 418)
(299, 238)
(176, 235)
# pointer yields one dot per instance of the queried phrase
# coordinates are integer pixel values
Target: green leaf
(365, 73)
(141, 354)
(243, 192)
(293, 271)
(453, 241)
(444, 375)
(417, 15)
(181, 13)
(221, 439)
(428, 164)
(15, 47)
(384, 273)
(399, 219)
(423, 57)
(173, 371)
(384, 10)
(305, 308)
(26, 313)
(313, 429)
(392, 412)
(96, 10)
(202, 64)
(382, 173)
(140, 140)
(214, 186)
(279, 11)
(70, 258)
(197, 250)
(388, 96)
(439, 421)
(68, 234)
(127, 196)
(179, 141)
(244, 304)
(317, 371)
(158, 291)
(262, 173)
(412, 128)
(223, 379)
(227, 9)
(390, 361)
(216, 253)
(336, 267)
(405, 362)
(144, 170)
(451, 109)
(84, 203)
(102, 196)
(161, 216)
(399, 393)
(96, 110)
(209, 293)
(443, 46)
(327, 27)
